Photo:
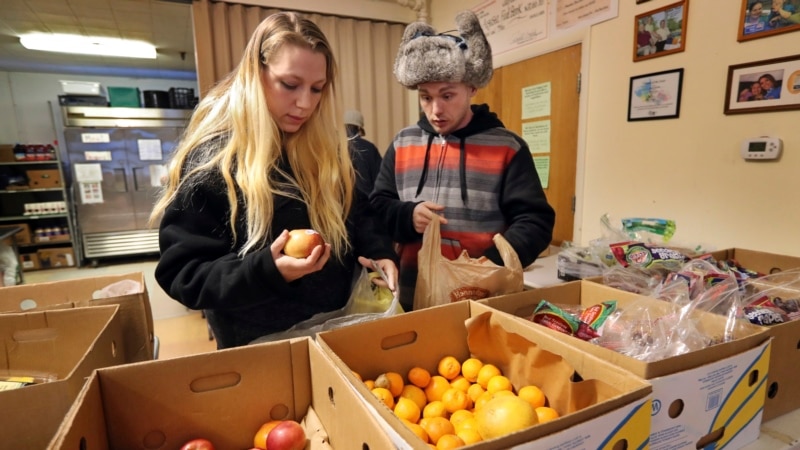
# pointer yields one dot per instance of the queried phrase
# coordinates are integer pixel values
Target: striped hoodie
(484, 176)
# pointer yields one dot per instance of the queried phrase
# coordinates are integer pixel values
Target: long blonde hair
(232, 132)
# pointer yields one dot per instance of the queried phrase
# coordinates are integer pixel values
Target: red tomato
(198, 444)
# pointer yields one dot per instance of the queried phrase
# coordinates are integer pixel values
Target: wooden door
(561, 69)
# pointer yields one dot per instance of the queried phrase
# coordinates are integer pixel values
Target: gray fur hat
(426, 56)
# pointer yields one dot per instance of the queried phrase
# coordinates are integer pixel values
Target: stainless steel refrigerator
(115, 160)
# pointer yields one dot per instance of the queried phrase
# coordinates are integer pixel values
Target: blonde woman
(264, 154)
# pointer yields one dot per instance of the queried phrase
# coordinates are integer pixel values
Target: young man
(458, 161)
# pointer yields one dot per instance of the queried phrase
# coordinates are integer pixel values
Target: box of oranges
(228, 398)
(463, 374)
(713, 396)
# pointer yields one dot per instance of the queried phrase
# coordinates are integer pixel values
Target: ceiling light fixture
(70, 43)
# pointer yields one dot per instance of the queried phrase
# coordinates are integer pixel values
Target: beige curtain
(364, 50)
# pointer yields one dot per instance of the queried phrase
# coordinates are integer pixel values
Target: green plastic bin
(127, 97)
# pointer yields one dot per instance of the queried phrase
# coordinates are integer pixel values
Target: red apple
(288, 435)
(301, 242)
(198, 444)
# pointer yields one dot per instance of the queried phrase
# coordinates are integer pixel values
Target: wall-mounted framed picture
(762, 18)
(763, 86)
(655, 96)
(660, 32)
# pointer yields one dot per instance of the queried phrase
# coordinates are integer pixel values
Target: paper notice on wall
(91, 192)
(158, 175)
(511, 24)
(150, 149)
(537, 135)
(536, 101)
(584, 13)
(542, 164)
(87, 173)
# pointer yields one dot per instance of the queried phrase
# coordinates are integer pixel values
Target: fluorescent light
(70, 43)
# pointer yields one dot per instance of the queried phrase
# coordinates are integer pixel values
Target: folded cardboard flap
(135, 310)
(528, 363)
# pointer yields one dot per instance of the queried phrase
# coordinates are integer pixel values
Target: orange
(436, 388)
(455, 399)
(470, 368)
(434, 409)
(405, 408)
(474, 391)
(533, 395)
(498, 383)
(385, 396)
(460, 382)
(392, 381)
(486, 372)
(469, 436)
(449, 367)
(459, 416)
(357, 375)
(416, 394)
(260, 439)
(449, 441)
(418, 430)
(546, 414)
(419, 377)
(370, 384)
(470, 423)
(436, 427)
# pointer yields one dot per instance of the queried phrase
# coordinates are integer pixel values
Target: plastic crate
(181, 98)
(124, 97)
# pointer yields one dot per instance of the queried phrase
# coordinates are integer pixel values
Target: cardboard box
(763, 262)
(135, 312)
(42, 179)
(7, 153)
(56, 257)
(714, 394)
(69, 345)
(29, 261)
(23, 236)
(618, 410)
(783, 390)
(223, 396)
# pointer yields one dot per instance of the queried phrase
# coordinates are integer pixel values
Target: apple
(288, 435)
(301, 242)
(198, 444)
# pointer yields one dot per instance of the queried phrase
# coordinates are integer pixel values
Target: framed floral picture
(762, 18)
(660, 32)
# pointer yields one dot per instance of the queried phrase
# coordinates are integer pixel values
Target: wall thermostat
(763, 147)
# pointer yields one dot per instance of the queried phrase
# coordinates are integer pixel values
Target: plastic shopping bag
(367, 302)
(441, 280)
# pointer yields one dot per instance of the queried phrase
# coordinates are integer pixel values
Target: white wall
(686, 169)
(24, 97)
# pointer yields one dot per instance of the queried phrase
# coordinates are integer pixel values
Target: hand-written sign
(586, 12)
(509, 24)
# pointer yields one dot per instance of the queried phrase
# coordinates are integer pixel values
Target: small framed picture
(660, 32)
(763, 86)
(762, 18)
(655, 96)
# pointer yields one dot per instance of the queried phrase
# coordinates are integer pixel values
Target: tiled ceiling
(166, 24)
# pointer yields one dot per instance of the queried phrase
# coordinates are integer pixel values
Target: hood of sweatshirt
(482, 119)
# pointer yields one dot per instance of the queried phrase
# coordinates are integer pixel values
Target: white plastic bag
(365, 304)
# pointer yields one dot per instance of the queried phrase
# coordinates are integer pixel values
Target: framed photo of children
(763, 86)
(762, 18)
(660, 32)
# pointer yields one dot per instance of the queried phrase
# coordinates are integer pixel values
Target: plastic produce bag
(441, 280)
(118, 289)
(367, 302)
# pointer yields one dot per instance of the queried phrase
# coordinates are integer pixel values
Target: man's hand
(423, 214)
